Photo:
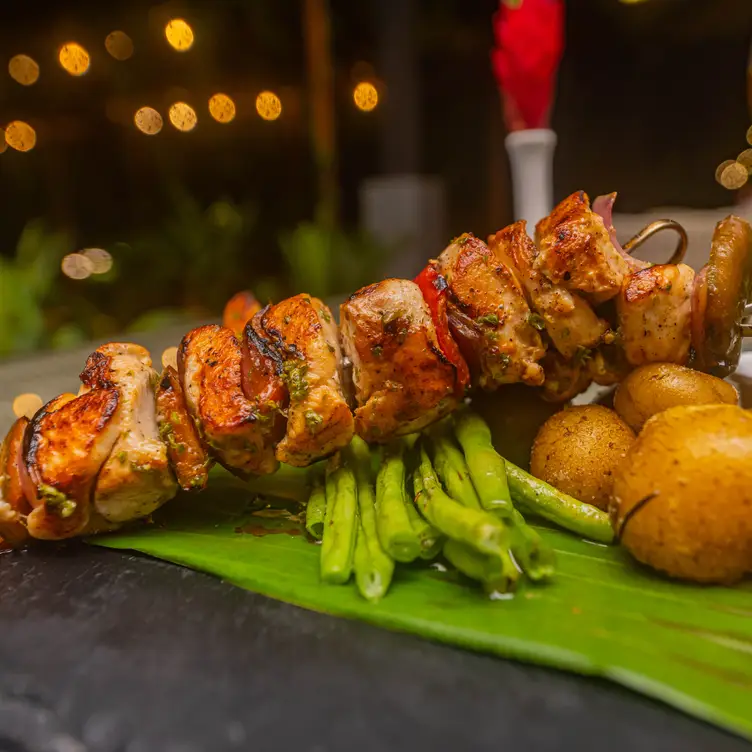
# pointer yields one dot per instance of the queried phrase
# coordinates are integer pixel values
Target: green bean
(538, 498)
(487, 469)
(373, 566)
(396, 533)
(533, 554)
(477, 528)
(316, 507)
(496, 573)
(340, 523)
(452, 469)
(429, 536)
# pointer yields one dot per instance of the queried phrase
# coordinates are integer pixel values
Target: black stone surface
(109, 652)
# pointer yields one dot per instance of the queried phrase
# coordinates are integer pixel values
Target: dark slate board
(109, 652)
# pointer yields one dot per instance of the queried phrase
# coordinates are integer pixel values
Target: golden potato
(578, 450)
(682, 499)
(653, 388)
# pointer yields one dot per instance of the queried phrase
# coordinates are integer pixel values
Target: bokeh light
(77, 266)
(268, 105)
(148, 121)
(74, 59)
(179, 34)
(23, 69)
(26, 405)
(119, 45)
(100, 259)
(745, 158)
(183, 116)
(365, 96)
(170, 357)
(721, 167)
(20, 136)
(734, 176)
(749, 135)
(222, 108)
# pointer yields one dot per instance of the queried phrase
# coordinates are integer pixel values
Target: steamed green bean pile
(444, 493)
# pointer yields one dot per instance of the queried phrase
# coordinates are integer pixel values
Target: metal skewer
(655, 227)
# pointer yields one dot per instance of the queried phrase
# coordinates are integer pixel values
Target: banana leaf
(601, 615)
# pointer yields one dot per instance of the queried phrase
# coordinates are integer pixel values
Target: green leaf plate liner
(601, 615)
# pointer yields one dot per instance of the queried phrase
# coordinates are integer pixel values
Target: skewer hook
(656, 227)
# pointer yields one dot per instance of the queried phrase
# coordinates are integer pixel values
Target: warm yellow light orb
(170, 357)
(183, 117)
(20, 136)
(119, 45)
(77, 266)
(100, 259)
(365, 96)
(24, 70)
(222, 108)
(148, 121)
(268, 105)
(25, 405)
(179, 34)
(74, 59)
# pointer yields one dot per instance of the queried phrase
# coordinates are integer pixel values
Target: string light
(24, 70)
(77, 266)
(148, 121)
(183, 117)
(74, 59)
(268, 105)
(179, 34)
(26, 405)
(365, 96)
(119, 45)
(20, 136)
(100, 259)
(170, 357)
(222, 108)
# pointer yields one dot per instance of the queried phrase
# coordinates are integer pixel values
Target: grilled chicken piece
(263, 374)
(568, 319)
(65, 446)
(654, 310)
(319, 421)
(236, 428)
(13, 503)
(185, 452)
(575, 250)
(136, 479)
(565, 377)
(489, 315)
(402, 380)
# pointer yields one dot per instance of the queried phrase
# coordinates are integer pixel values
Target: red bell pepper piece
(435, 290)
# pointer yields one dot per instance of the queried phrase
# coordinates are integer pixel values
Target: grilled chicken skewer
(275, 389)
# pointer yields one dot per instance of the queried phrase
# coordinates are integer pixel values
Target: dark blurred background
(652, 96)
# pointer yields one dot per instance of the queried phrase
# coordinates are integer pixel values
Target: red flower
(529, 45)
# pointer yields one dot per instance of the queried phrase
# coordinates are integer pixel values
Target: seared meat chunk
(236, 428)
(489, 315)
(655, 310)
(402, 380)
(567, 317)
(185, 452)
(13, 503)
(319, 421)
(65, 446)
(575, 250)
(136, 479)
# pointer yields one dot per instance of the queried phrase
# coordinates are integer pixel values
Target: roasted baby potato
(655, 387)
(682, 499)
(579, 449)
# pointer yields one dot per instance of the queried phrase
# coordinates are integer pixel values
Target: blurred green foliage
(183, 270)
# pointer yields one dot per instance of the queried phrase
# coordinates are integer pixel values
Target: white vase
(531, 156)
